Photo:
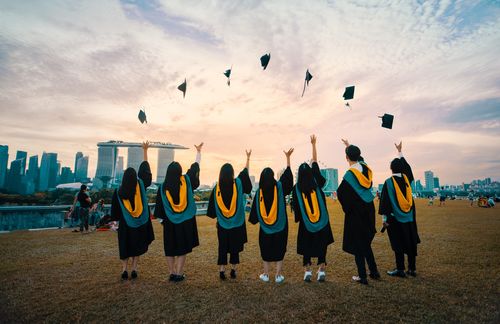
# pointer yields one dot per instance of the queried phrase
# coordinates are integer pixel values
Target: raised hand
(346, 142)
(288, 153)
(145, 145)
(249, 153)
(313, 139)
(198, 147)
(399, 146)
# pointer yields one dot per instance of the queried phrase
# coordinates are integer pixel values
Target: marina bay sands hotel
(110, 165)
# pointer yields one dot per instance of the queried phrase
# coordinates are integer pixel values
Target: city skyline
(74, 74)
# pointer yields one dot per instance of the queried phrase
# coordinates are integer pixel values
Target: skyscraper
(33, 172)
(48, 171)
(119, 168)
(436, 182)
(165, 157)
(66, 175)
(332, 179)
(77, 157)
(429, 180)
(135, 157)
(82, 168)
(14, 179)
(106, 159)
(23, 156)
(4, 160)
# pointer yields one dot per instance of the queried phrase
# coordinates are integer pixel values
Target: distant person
(175, 205)
(491, 202)
(431, 201)
(471, 199)
(269, 210)
(309, 205)
(442, 199)
(97, 212)
(85, 203)
(227, 203)
(74, 212)
(397, 208)
(130, 207)
(355, 196)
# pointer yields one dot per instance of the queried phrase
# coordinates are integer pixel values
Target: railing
(36, 217)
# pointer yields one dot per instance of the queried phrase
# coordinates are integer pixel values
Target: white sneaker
(308, 276)
(321, 276)
(264, 277)
(279, 279)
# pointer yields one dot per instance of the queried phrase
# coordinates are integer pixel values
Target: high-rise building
(436, 182)
(14, 179)
(48, 171)
(106, 160)
(32, 175)
(429, 180)
(77, 157)
(66, 175)
(22, 155)
(119, 168)
(134, 157)
(332, 179)
(418, 186)
(165, 157)
(82, 169)
(4, 160)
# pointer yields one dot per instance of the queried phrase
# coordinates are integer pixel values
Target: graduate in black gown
(309, 205)
(269, 210)
(398, 211)
(176, 207)
(227, 203)
(129, 206)
(355, 196)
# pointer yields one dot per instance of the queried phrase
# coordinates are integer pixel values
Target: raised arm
(346, 142)
(145, 146)
(314, 153)
(244, 175)
(198, 152)
(406, 167)
(194, 171)
(286, 178)
(247, 165)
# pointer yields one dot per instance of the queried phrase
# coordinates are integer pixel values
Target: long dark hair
(129, 183)
(267, 181)
(396, 166)
(173, 179)
(306, 181)
(353, 153)
(226, 177)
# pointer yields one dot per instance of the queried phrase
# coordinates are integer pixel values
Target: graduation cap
(264, 60)
(387, 120)
(306, 81)
(228, 75)
(349, 93)
(182, 88)
(142, 116)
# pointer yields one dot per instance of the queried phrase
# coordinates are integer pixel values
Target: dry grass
(59, 276)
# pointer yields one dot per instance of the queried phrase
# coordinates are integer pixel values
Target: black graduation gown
(359, 221)
(133, 241)
(231, 240)
(308, 243)
(403, 236)
(179, 239)
(273, 246)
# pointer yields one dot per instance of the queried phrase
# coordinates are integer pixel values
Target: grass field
(59, 276)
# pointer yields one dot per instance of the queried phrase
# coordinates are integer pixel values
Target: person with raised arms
(355, 196)
(269, 210)
(129, 206)
(397, 208)
(309, 205)
(176, 207)
(227, 204)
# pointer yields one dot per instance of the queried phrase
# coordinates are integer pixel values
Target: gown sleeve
(385, 207)
(407, 170)
(245, 181)
(194, 175)
(115, 207)
(296, 209)
(286, 180)
(320, 180)
(253, 219)
(144, 173)
(159, 211)
(211, 207)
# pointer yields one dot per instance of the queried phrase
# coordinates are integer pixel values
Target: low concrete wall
(32, 217)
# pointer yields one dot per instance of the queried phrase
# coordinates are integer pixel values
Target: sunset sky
(73, 73)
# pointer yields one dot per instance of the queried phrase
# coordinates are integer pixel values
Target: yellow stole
(137, 211)
(227, 212)
(270, 218)
(182, 205)
(313, 217)
(365, 182)
(404, 201)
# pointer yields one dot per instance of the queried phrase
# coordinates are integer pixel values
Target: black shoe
(412, 273)
(375, 275)
(233, 274)
(397, 273)
(171, 277)
(134, 274)
(179, 278)
(124, 275)
(222, 275)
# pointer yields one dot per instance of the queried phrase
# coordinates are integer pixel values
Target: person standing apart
(397, 208)
(176, 207)
(309, 205)
(355, 196)
(85, 202)
(269, 210)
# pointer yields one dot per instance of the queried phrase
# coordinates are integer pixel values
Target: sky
(74, 73)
